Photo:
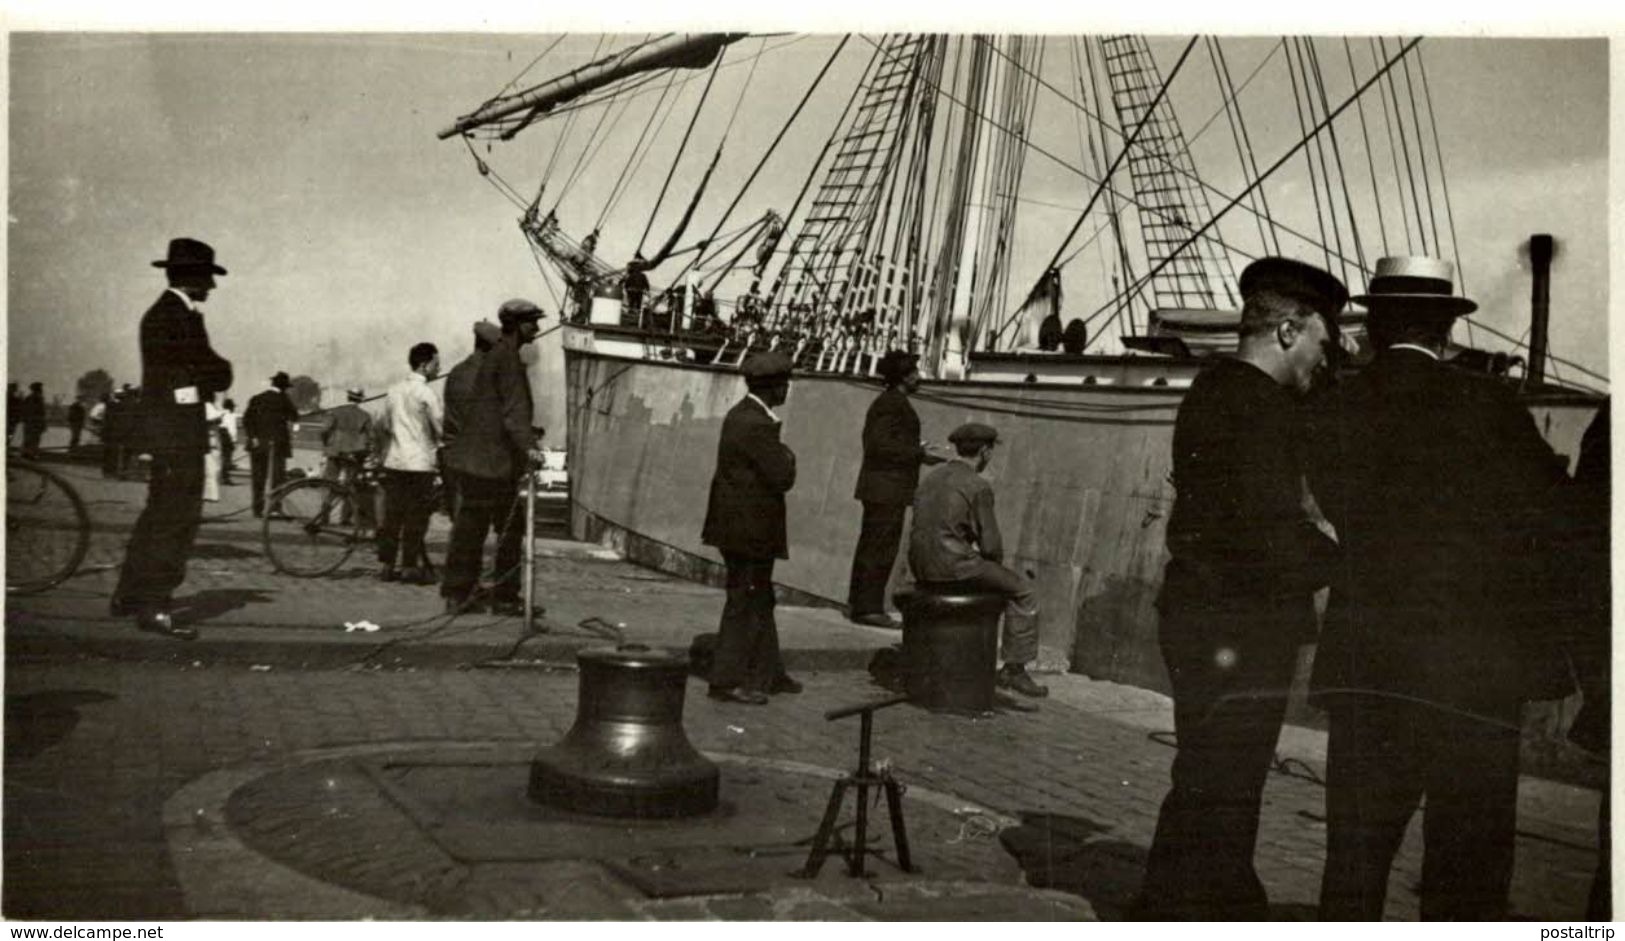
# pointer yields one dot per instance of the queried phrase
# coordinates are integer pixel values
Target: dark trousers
(110, 459)
(1226, 723)
(747, 652)
(226, 451)
(1382, 757)
(874, 557)
(155, 559)
(267, 462)
(74, 433)
(484, 505)
(407, 508)
(32, 432)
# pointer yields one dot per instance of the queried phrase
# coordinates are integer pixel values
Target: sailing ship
(907, 224)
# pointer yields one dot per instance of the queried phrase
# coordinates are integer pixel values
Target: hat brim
(1431, 303)
(188, 266)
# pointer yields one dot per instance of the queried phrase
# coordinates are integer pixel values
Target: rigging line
(1246, 135)
(681, 147)
(1123, 259)
(774, 146)
(1393, 153)
(1405, 147)
(1337, 152)
(1422, 158)
(1519, 344)
(1181, 171)
(594, 142)
(743, 88)
(1444, 182)
(1370, 158)
(615, 191)
(1235, 91)
(569, 123)
(522, 72)
(665, 115)
(1128, 144)
(1235, 135)
(1140, 286)
(1308, 154)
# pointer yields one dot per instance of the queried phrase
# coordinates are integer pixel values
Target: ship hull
(1081, 478)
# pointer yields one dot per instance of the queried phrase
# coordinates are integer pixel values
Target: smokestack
(1540, 260)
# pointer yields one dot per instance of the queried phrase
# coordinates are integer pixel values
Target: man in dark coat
(1237, 598)
(744, 520)
(892, 455)
(76, 424)
(266, 423)
(33, 417)
(488, 452)
(178, 369)
(459, 394)
(1441, 490)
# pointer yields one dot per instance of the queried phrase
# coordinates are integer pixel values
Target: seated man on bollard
(956, 541)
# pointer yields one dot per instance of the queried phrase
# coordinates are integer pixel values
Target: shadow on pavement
(215, 602)
(1057, 851)
(215, 550)
(36, 721)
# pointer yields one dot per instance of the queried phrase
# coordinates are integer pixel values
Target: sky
(310, 162)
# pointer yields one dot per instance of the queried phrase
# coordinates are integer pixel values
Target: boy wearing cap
(744, 520)
(892, 455)
(1442, 490)
(1237, 599)
(178, 369)
(956, 539)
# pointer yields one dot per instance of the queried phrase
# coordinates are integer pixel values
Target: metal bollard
(950, 646)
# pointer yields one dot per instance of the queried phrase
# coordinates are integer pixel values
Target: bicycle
(313, 525)
(47, 528)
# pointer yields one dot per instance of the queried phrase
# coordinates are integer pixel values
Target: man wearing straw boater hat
(1437, 482)
(1237, 598)
(178, 370)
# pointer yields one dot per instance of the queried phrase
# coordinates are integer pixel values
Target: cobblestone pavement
(95, 748)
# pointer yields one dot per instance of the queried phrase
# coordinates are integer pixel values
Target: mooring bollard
(950, 646)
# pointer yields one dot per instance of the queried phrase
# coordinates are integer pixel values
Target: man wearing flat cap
(268, 422)
(178, 371)
(956, 540)
(346, 438)
(490, 449)
(1237, 599)
(744, 520)
(892, 455)
(1442, 491)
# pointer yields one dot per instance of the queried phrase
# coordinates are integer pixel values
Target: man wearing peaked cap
(956, 539)
(492, 446)
(1237, 599)
(179, 370)
(1443, 493)
(745, 521)
(892, 455)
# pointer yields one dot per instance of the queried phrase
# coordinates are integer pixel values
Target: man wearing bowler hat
(178, 370)
(1442, 491)
(1237, 599)
(892, 455)
(956, 540)
(744, 520)
(267, 421)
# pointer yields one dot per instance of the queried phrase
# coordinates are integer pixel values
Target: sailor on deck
(1238, 594)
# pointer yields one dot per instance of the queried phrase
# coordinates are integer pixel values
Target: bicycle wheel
(47, 528)
(310, 527)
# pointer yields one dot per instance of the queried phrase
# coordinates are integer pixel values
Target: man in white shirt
(411, 432)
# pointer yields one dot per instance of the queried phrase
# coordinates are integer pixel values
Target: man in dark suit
(892, 455)
(744, 520)
(266, 423)
(488, 452)
(178, 369)
(1440, 487)
(1237, 599)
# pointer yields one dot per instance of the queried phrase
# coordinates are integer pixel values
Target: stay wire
(633, 156)
(1337, 153)
(681, 147)
(1422, 158)
(1444, 182)
(1370, 156)
(1405, 147)
(1393, 152)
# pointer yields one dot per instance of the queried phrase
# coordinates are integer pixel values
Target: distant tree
(94, 384)
(305, 393)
